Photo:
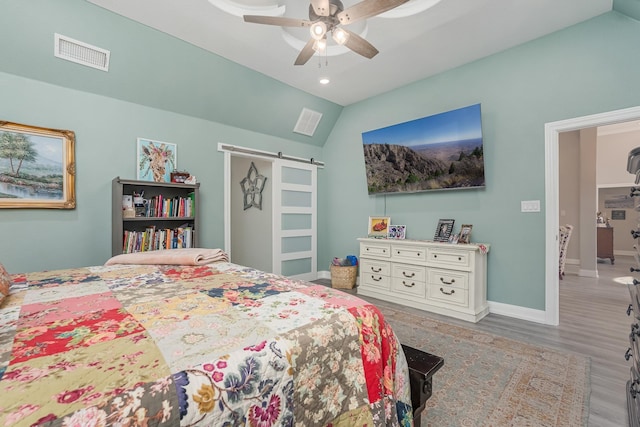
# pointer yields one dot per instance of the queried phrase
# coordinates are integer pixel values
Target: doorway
(552, 131)
(276, 230)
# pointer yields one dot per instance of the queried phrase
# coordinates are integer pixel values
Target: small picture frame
(397, 232)
(378, 226)
(444, 229)
(156, 160)
(465, 233)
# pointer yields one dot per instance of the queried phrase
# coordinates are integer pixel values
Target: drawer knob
(418, 253)
(378, 270)
(378, 279)
(384, 251)
(408, 286)
(404, 273)
(459, 258)
(435, 255)
(398, 252)
(453, 291)
(447, 283)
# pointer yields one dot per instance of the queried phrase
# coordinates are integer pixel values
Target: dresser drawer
(449, 257)
(453, 279)
(448, 295)
(380, 268)
(375, 249)
(409, 287)
(375, 281)
(411, 253)
(405, 271)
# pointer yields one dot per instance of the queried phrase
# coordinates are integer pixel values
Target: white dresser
(442, 278)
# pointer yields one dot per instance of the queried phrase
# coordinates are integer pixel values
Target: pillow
(5, 281)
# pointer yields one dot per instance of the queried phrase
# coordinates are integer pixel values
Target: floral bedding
(212, 345)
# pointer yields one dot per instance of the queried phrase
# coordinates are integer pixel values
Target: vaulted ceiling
(416, 40)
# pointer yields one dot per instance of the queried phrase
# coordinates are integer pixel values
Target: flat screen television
(439, 152)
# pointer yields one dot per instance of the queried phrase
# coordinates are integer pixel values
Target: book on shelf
(152, 239)
(162, 207)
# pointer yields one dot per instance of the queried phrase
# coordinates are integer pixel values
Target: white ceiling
(448, 34)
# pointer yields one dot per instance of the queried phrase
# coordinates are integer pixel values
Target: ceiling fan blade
(321, 7)
(366, 9)
(306, 53)
(277, 20)
(360, 45)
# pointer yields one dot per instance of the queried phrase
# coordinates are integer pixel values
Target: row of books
(159, 206)
(153, 239)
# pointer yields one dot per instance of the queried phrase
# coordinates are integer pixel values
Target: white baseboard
(624, 253)
(324, 274)
(588, 273)
(517, 312)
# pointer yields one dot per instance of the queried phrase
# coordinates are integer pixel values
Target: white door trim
(552, 131)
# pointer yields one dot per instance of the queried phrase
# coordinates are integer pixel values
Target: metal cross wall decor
(252, 186)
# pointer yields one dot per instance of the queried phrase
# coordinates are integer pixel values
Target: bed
(194, 341)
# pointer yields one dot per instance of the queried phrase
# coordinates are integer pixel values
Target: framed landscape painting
(156, 160)
(37, 167)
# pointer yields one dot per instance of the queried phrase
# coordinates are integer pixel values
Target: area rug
(488, 380)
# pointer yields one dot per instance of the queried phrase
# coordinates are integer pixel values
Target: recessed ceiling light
(324, 80)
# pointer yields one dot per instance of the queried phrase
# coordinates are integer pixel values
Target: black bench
(422, 366)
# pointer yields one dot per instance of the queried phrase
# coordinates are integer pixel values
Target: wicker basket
(343, 277)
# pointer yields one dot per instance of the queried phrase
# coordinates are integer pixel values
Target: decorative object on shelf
(179, 176)
(191, 180)
(378, 226)
(39, 167)
(444, 229)
(252, 186)
(156, 160)
(465, 233)
(453, 239)
(397, 232)
(128, 210)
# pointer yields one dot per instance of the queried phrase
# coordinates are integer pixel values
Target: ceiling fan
(328, 16)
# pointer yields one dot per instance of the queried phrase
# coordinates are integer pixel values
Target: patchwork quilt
(199, 345)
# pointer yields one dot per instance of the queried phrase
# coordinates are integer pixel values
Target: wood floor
(593, 322)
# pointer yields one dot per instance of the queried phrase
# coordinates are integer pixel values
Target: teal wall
(151, 68)
(106, 130)
(589, 68)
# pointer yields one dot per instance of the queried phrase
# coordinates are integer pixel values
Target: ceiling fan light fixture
(320, 45)
(324, 80)
(318, 30)
(340, 36)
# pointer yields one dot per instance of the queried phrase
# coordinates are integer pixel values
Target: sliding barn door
(294, 219)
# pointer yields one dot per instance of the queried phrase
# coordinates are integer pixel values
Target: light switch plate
(530, 206)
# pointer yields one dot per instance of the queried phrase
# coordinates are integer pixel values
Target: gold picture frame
(379, 226)
(37, 167)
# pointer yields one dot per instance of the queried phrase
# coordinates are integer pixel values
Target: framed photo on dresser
(444, 229)
(465, 233)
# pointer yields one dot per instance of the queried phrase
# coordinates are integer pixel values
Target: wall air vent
(307, 122)
(81, 53)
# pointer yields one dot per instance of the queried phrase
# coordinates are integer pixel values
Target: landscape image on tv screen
(438, 152)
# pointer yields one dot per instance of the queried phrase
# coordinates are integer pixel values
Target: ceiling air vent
(81, 53)
(307, 122)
